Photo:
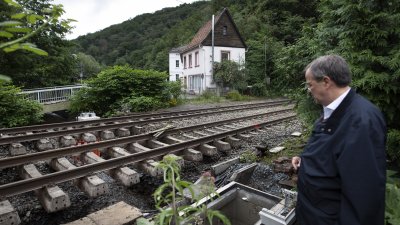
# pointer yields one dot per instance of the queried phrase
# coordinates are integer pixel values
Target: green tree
(38, 22)
(15, 110)
(229, 74)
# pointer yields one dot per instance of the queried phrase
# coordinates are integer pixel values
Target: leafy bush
(393, 145)
(15, 110)
(142, 104)
(392, 207)
(234, 95)
(106, 92)
(259, 89)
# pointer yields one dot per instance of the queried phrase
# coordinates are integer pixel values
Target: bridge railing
(51, 95)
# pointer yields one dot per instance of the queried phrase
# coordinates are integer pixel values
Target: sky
(95, 15)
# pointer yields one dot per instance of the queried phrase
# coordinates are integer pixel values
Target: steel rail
(35, 136)
(23, 186)
(61, 152)
(128, 117)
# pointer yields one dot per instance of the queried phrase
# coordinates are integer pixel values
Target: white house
(192, 63)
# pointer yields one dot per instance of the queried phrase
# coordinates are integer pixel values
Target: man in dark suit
(342, 170)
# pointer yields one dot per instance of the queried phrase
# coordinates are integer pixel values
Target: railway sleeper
(8, 215)
(125, 175)
(172, 140)
(192, 155)
(122, 132)
(44, 144)
(222, 146)
(52, 198)
(208, 150)
(17, 149)
(137, 130)
(234, 142)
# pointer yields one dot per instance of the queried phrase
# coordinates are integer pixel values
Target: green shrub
(105, 93)
(393, 145)
(15, 109)
(142, 104)
(392, 207)
(259, 89)
(234, 96)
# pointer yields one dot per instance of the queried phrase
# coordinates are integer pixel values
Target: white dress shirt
(328, 110)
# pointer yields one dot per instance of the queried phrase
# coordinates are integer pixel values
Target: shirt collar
(328, 110)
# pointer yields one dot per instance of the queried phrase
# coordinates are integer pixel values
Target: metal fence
(52, 94)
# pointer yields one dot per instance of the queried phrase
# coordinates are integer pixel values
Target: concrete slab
(221, 167)
(8, 215)
(117, 214)
(243, 175)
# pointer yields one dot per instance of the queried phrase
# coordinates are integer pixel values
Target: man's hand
(296, 162)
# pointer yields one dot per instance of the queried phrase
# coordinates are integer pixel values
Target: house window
(190, 61)
(176, 77)
(196, 59)
(177, 63)
(224, 30)
(225, 55)
(184, 62)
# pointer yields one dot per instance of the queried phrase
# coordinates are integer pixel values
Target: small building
(192, 63)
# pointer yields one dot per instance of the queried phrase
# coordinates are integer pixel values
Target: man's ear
(327, 81)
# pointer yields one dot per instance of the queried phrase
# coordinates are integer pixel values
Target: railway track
(121, 157)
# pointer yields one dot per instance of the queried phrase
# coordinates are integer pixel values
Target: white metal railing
(50, 95)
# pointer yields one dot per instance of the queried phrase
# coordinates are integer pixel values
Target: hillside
(144, 41)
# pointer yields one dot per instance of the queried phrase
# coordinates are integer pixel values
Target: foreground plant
(172, 192)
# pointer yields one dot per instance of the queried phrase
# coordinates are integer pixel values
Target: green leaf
(6, 34)
(12, 48)
(32, 48)
(5, 78)
(19, 29)
(12, 3)
(18, 16)
(10, 23)
(33, 18)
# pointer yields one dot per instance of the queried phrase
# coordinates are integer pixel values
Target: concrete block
(137, 130)
(208, 150)
(91, 157)
(44, 144)
(66, 141)
(188, 136)
(150, 168)
(29, 171)
(221, 167)
(107, 135)
(192, 155)
(122, 132)
(221, 129)
(222, 146)
(93, 185)
(88, 137)
(8, 215)
(54, 199)
(17, 149)
(61, 164)
(211, 131)
(116, 152)
(234, 142)
(125, 175)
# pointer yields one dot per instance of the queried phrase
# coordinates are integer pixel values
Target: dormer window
(224, 30)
